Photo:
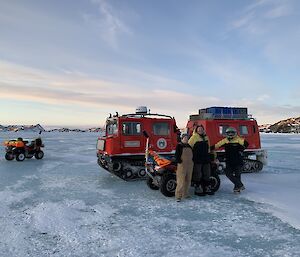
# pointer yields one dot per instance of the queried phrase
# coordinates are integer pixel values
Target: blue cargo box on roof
(214, 110)
(226, 112)
(240, 110)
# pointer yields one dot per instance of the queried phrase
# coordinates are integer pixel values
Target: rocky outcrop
(38, 127)
(291, 125)
(27, 128)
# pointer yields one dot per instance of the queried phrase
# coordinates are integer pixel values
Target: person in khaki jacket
(184, 159)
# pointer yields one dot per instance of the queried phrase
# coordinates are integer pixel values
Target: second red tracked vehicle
(216, 120)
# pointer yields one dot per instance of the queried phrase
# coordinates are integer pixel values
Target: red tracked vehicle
(216, 120)
(122, 149)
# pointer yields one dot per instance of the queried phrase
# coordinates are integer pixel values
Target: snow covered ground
(65, 205)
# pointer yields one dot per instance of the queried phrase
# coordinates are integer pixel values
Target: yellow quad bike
(161, 173)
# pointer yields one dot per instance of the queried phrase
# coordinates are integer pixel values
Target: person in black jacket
(202, 158)
(183, 156)
(234, 147)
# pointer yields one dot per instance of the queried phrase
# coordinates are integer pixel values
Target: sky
(71, 63)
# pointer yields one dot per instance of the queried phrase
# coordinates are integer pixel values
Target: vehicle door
(161, 136)
(132, 140)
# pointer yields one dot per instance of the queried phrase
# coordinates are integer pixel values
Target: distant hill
(27, 128)
(291, 125)
(76, 130)
(38, 127)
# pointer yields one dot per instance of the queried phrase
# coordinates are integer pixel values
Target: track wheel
(20, 157)
(150, 184)
(142, 173)
(39, 155)
(168, 185)
(220, 169)
(127, 173)
(247, 166)
(215, 182)
(101, 163)
(9, 156)
(117, 166)
(258, 166)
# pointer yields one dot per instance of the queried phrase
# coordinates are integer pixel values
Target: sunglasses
(230, 133)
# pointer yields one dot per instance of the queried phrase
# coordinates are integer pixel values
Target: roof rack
(142, 115)
(213, 116)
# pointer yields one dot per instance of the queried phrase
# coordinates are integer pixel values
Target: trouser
(201, 172)
(183, 180)
(233, 173)
(201, 175)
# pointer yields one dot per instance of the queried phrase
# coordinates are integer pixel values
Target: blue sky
(66, 62)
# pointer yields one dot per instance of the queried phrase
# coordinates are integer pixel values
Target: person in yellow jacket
(234, 147)
(184, 159)
(199, 141)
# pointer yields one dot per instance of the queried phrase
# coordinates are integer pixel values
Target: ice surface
(65, 205)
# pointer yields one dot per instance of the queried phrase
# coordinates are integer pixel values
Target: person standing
(201, 158)
(234, 147)
(184, 160)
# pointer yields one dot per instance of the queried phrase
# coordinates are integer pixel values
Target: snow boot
(207, 188)
(199, 191)
(236, 190)
(209, 191)
(242, 188)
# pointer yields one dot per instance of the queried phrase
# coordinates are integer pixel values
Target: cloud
(68, 91)
(109, 23)
(263, 97)
(19, 83)
(244, 20)
(271, 27)
(255, 14)
(282, 9)
(266, 111)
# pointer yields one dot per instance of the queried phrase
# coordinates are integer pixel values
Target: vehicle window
(161, 129)
(222, 129)
(243, 130)
(112, 128)
(109, 129)
(131, 128)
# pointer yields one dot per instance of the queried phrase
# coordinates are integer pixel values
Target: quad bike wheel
(215, 182)
(150, 184)
(20, 157)
(9, 156)
(168, 185)
(39, 155)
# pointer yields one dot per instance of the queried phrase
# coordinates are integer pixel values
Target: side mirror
(175, 129)
(145, 134)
